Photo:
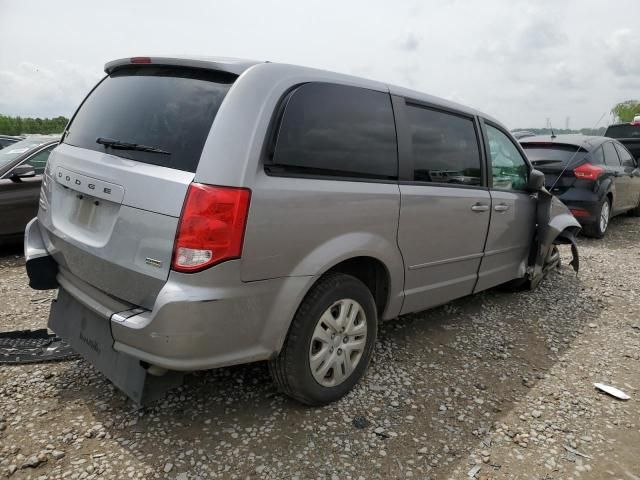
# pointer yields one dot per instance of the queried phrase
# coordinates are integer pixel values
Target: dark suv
(628, 134)
(596, 177)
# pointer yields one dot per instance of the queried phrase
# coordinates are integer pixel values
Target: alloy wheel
(605, 212)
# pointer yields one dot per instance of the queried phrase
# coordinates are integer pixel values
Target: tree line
(19, 125)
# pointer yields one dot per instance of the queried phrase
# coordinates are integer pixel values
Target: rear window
(555, 155)
(623, 131)
(336, 130)
(167, 108)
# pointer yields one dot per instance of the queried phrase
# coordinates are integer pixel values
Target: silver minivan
(204, 212)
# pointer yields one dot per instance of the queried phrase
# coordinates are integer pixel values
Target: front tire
(598, 229)
(330, 342)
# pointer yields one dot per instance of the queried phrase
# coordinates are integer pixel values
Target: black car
(6, 140)
(21, 168)
(596, 177)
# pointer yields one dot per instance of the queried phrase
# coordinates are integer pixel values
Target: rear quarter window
(168, 108)
(338, 131)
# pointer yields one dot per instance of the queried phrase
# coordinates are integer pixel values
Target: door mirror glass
(536, 180)
(23, 171)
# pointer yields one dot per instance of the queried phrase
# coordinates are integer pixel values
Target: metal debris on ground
(474, 471)
(613, 391)
(576, 452)
(33, 346)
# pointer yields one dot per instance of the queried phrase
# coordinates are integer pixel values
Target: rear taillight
(588, 171)
(142, 60)
(211, 227)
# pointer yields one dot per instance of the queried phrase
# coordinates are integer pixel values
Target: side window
(610, 156)
(39, 160)
(625, 156)
(508, 169)
(445, 147)
(597, 156)
(337, 130)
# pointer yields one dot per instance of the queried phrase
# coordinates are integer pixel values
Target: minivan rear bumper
(199, 321)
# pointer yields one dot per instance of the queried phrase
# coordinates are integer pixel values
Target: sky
(521, 61)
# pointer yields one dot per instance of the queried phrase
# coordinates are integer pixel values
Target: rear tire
(598, 229)
(330, 341)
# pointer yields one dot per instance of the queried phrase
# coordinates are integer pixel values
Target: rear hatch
(115, 187)
(557, 162)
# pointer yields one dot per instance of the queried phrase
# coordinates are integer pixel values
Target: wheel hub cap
(338, 342)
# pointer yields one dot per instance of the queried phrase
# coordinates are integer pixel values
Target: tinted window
(337, 130)
(597, 156)
(39, 160)
(553, 155)
(5, 142)
(623, 131)
(625, 156)
(167, 108)
(610, 155)
(445, 147)
(508, 169)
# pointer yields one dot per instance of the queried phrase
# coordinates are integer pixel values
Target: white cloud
(36, 90)
(518, 60)
(623, 52)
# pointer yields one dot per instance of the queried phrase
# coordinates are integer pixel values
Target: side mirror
(536, 180)
(22, 171)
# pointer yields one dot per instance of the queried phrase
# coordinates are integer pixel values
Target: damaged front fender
(555, 226)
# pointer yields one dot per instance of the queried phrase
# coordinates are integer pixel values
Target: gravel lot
(496, 386)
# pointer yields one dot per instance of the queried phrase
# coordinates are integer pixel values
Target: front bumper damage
(555, 226)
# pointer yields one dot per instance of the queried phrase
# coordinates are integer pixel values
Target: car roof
(238, 66)
(587, 142)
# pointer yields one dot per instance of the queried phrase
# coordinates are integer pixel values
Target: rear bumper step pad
(90, 335)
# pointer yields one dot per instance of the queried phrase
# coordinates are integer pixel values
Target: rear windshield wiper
(116, 144)
(545, 162)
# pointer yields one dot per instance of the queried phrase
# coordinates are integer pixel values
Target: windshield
(623, 131)
(555, 155)
(15, 150)
(166, 108)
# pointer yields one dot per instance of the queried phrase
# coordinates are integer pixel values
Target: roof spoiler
(221, 64)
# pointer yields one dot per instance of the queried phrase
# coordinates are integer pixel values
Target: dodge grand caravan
(208, 212)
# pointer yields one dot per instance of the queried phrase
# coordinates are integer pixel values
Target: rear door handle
(479, 207)
(501, 207)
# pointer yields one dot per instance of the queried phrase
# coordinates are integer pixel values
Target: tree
(625, 111)
(18, 126)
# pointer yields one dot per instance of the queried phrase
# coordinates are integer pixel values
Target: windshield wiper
(544, 162)
(118, 145)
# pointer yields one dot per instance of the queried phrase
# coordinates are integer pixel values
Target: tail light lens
(588, 171)
(579, 212)
(211, 227)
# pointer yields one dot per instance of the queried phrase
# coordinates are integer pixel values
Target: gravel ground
(493, 386)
